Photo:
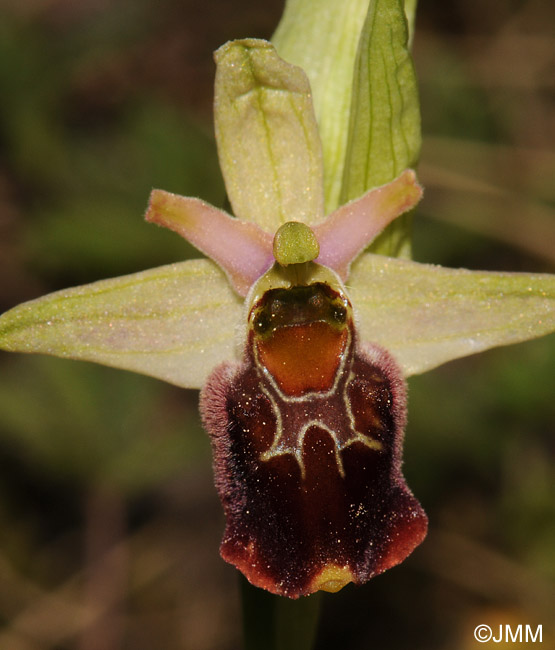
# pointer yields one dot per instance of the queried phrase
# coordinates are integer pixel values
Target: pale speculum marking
(330, 410)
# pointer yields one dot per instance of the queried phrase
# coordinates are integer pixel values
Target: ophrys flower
(307, 412)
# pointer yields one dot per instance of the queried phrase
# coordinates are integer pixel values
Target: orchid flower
(299, 337)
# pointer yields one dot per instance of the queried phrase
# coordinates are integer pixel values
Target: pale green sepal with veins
(321, 36)
(330, 40)
(426, 315)
(174, 322)
(268, 142)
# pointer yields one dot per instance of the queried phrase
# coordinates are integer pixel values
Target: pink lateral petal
(349, 230)
(242, 249)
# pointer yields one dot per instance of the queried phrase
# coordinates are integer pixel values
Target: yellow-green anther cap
(295, 243)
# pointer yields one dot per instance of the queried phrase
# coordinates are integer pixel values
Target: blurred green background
(109, 522)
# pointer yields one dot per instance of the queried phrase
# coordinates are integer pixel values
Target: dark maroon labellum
(307, 434)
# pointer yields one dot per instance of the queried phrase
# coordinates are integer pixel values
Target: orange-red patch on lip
(303, 358)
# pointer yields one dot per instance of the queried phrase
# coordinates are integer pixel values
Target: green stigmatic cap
(295, 243)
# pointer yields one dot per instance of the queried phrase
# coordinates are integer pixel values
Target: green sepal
(321, 37)
(268, 142)
(174, 322)
(427, 315)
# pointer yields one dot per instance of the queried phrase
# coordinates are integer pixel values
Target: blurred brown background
(109, 522)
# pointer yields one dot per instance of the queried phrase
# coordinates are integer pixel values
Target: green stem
(275, 623)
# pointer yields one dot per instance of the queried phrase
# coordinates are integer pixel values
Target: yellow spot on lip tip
(332, 578)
